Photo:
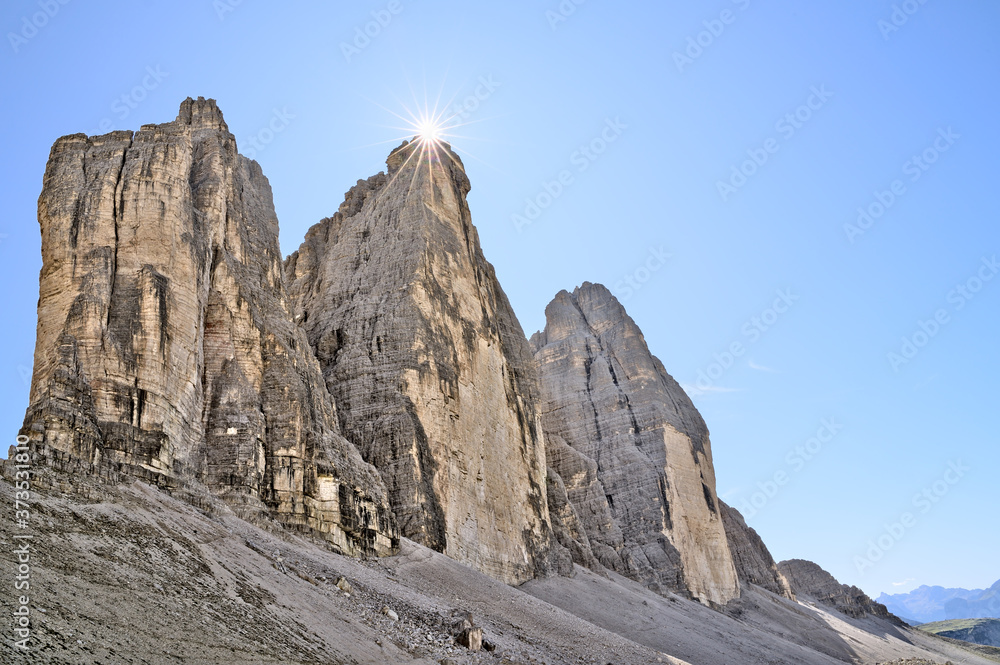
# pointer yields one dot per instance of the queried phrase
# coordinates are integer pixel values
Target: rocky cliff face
(631, 449)
(754, 563)
(429, 367)
(808, 579)
(165, 348)
(567, 525)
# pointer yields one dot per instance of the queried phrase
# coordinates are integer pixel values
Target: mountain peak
(185, 368)
(430, 155)
(430, 370)
(654, 514)
(201, 112)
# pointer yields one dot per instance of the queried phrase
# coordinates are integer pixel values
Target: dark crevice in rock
(116, 213)
(663, 484)
(433, 531)
(709, 501)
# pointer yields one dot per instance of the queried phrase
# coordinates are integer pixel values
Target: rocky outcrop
(631, 449)
(429, 367)
(165, 349)
(754, 563)
(808, 579)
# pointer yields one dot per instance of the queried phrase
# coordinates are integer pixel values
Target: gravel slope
(129, 574)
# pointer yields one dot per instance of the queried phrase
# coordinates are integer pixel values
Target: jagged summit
(428, 164)
(173, 345)
(202, 113)
(431, 372)
(631, 449)
(378, 377)
(809, 580)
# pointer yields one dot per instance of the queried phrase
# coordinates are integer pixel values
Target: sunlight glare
(430, 129)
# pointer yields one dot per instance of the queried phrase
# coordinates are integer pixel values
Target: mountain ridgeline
(927, 604)
(373, 386)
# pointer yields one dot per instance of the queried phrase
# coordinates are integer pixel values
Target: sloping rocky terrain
(754, 563)
(354, 455)
(978, 631)
(127, 573)
(807, 579)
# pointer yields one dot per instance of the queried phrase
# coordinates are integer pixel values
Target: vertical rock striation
(567, 525)
(165, 348)
(754, 563)
(631, 449)
(174, 346)
(430, 370)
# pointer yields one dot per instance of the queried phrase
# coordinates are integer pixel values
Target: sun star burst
(431, 127)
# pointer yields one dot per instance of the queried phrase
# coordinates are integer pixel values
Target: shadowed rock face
(429, 367)
(567, 526)
(165, 349)
(631, 449)
(808, 579)
(754, 563)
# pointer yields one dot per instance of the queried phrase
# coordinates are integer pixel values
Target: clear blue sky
(878, 98)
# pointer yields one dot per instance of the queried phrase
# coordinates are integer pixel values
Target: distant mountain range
(978, 631)
(933, 603)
